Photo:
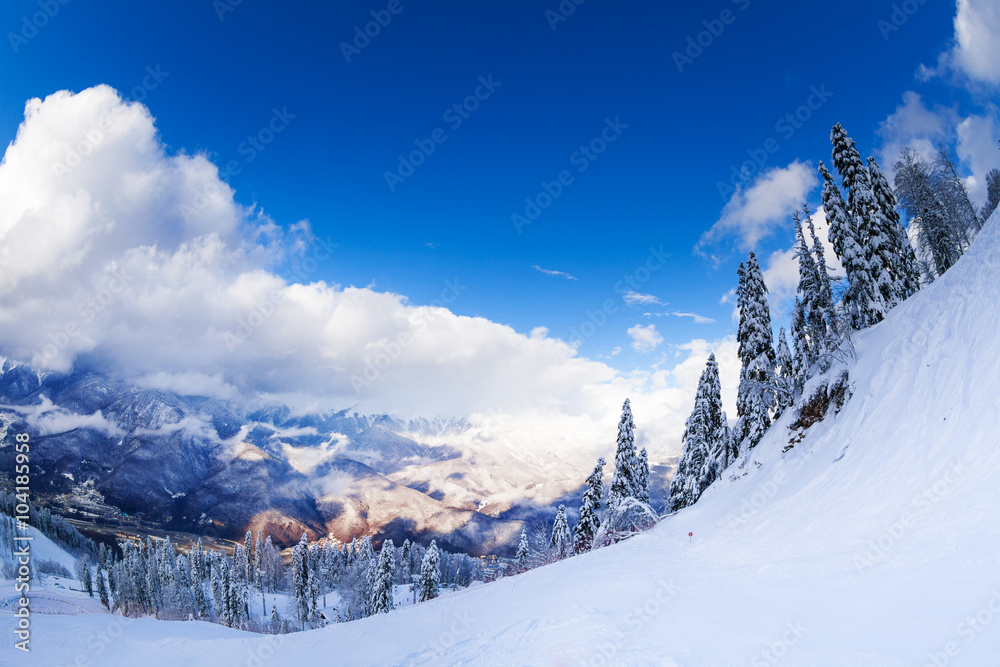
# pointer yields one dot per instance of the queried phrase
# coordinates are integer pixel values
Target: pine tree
(102, 589)
(704, 440)
(642, 480)
(860, 302)
(992, 194)
(756, 351)
(275, 620)
(521, 557)
(300, 579)
(561, 542)
(625, 482)
(430, 574)
(903, 261)
(784, 376)
(590, 520)
(405, 563)
(872, 232)
(381, 600)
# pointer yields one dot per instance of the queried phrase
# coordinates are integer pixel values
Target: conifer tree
(903, 261)
(561, 542)
(590, 520)
(784, 376)
(704, 441)
(102, 589)
(300, 579)
(430, 574)
(861, 303)
(381, 592)
(523, 552)
(624, 483)
(643, 477)
(756, 351)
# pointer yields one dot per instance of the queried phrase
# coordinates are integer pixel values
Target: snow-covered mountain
(203, 465)
(872, 540)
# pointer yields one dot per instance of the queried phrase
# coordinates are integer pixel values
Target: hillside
(871, 542)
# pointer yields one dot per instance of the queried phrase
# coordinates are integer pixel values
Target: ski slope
(875, 541)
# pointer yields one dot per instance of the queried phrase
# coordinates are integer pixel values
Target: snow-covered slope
(874, 541)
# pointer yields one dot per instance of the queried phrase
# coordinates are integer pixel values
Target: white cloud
(977, 50)
(552, 272)
(645, 338)
(698, 319)
(915, 126)
(977, 148)
(633, 298)
(755, 213)
(102, 269)
(921, 128)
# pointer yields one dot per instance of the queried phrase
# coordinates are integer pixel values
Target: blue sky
(223, 70)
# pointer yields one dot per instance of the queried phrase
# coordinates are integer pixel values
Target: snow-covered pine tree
(905, 269)
(784, 376)
(756, 351)
(561, 542)
(523, 552)
(300, 579)
(823, 318)
(405, 562)
(381, 601)
(430, 574)
(992, 194)
(102, 588)
(869, 228)
(590, 520)
(643, 477)
(275, 624)
(624, 482)
(861, 304)
(705, 451)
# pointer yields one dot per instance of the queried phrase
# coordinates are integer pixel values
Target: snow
(873, 541)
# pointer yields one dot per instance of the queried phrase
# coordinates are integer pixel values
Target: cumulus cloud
(976, 52)
(756, 212)
(921, 128)
(124, 257)
(645, 338)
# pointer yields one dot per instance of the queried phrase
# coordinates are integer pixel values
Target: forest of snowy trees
(885, 263)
